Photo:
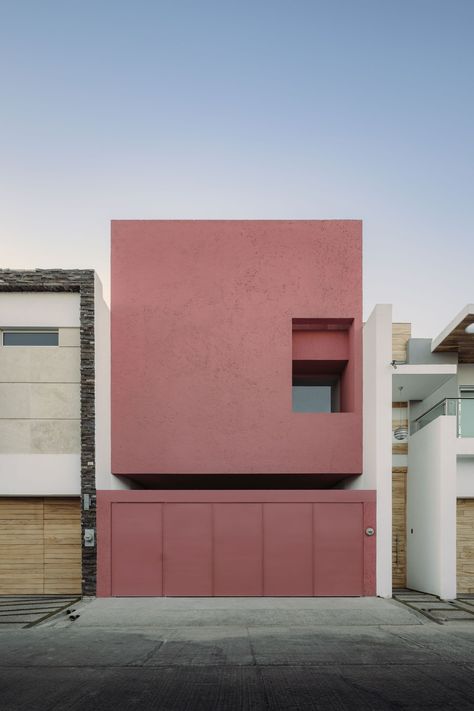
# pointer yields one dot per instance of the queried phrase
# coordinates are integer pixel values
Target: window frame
(18, 331)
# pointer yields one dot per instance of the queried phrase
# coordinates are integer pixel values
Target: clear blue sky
(245, 109)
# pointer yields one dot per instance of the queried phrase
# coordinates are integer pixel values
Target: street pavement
(199, 654)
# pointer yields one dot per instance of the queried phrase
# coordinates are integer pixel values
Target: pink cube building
(237, 411)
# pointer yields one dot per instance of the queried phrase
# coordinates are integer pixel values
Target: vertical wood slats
(40, 546)
(401, 332)
(465, 545)
(399, 537)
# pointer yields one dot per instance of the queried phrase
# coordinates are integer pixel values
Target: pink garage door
(242, 549)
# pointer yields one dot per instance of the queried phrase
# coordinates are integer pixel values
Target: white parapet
(39, 310)
(104, 477)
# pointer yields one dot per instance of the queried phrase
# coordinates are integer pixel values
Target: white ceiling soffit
(419, 381)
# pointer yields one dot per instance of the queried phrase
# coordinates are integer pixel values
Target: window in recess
(315, 393)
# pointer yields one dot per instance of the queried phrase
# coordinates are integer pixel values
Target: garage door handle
(369, 531)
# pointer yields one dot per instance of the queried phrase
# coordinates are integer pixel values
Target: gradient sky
(245, 109)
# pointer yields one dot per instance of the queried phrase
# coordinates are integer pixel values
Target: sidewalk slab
(247, 612)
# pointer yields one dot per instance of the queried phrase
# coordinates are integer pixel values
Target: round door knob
(369, 531)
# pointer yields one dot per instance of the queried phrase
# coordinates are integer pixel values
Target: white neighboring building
(430, 517)
(440, 494)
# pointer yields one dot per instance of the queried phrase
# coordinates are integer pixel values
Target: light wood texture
(399, 530)
(40, 546)
(465, 545)
(19, 509)
(400, 448)
(68, 509)
(401, 332)
(62, 546)
(397, 422)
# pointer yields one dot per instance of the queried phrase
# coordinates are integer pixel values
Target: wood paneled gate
(40, 545)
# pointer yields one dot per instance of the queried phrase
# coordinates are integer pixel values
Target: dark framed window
(30, 338)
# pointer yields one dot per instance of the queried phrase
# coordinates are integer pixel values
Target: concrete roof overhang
(419, 381)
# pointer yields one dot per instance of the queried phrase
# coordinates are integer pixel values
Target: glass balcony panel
(431, 415)
(466, 417)
(462, 408)
(451, 406)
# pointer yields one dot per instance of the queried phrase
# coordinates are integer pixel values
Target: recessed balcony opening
(320, 364)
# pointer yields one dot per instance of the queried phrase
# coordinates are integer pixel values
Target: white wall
(465, 374)
(40, 474)
(465, 477)
(431, 509)
(377, 437)
(39, 310)
(104, 477)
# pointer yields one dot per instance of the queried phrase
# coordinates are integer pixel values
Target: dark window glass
(30, 338)
(311, 398)
(316, 393)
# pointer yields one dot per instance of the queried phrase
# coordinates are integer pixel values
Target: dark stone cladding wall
(82, 282)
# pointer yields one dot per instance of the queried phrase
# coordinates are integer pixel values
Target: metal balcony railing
(460, 407)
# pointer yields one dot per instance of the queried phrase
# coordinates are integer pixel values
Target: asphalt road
(192, 654)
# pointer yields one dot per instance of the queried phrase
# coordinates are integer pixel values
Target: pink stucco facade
(204, 339)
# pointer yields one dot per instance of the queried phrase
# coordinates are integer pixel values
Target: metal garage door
(40, 546)
(292, 548)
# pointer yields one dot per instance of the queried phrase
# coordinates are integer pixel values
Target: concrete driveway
(238, 653)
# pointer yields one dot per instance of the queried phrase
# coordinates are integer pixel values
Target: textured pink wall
(202, 345)
(321, 345)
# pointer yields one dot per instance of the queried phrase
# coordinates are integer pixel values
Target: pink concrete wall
(254, 543)
(321, 345)
(202, 345)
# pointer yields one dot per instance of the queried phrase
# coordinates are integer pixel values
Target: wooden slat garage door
(399, 531)
(40, 546)
(465, 545)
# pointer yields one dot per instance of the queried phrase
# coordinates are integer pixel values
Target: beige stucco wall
(39, 436)
(54, 401)
(40, 399)
(39, 364)
(40, 385)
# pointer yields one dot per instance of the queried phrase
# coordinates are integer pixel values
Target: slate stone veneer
(79, 281)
